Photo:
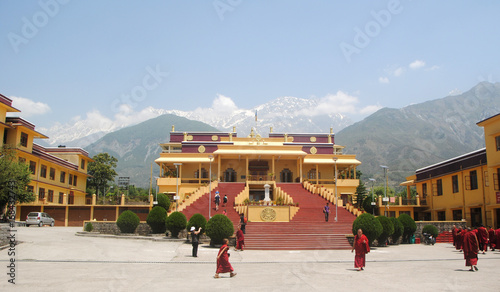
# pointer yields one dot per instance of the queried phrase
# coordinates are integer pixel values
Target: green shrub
(367, 204)
(409, 226)
(197, 220)
(369, 224)
(128, 221)
(163, 201)
(430, 229)
(156, 220)
(89, 227)
(387, 229)
(398, 229)
(175, 223)
(218, 228)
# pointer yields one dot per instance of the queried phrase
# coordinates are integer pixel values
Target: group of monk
(473, 241)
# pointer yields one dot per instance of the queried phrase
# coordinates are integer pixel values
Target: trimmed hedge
(163, 201)
(218, 228)
(156, 220)
(89, 227)
(430, 229)
(175, 223)
(398, 230)
(128, 221)
(197, 220)
(369, 224)
(409, 226)
(387, 230)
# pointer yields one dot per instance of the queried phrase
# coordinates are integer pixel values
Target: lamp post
(336, 190)
(373, 201)
(385, 191)
(211, 157)
(155, 202)
(177, 185)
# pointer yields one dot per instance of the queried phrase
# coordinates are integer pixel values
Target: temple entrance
(258, 169)
(286, 176)
(230, 175)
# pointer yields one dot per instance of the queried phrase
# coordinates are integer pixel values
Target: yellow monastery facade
(464, 187)
(200, 160)
(58, 174)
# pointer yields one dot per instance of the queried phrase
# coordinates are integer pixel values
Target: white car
(39, 218)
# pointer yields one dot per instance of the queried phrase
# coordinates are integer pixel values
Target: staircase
(201, 205)
(306, 230)
(445, 236)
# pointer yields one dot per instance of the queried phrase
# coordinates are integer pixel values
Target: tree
(101, 171)
(369, 224)
(11, 170)
(409, 226)
(360, 194)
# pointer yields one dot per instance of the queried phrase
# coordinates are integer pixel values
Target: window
(74, 180)
(496, 178)
(51, 196)
(24, 139)
(439, 187)
(497, 141)
(424, 190)
(61, 197)
(473, 180)
(457, 215)
(83, 164)
(71, 198)
(5, 136)
(43, 171)
(52, 174)
(441, 216)
(41, 194)
(454, 183)
(70, 179)
(62, 177)
(31, 189)
(33, 167)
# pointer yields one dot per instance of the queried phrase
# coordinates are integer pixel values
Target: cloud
(383, 80)
(340, 102)
(399, 71)
(29, 107)
(370, 109)
(455, 91)
(417, 64)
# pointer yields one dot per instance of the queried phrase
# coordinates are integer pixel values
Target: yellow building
(192, 162)
(464, 187)
(59, 174)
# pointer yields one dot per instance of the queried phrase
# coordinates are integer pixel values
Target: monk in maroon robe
(454, 235)
(471, 248)
(240, 239)
(362, 247)
(497, 236)
(482, 238)
(492, 238)
(223, 265)
(460, 239)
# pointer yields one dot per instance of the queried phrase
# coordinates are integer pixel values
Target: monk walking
(240, 239)
(362, 248)
(492, 238)
(454, 231)
(223, 265)
(482, 238)
(460, 239)
(471, 249)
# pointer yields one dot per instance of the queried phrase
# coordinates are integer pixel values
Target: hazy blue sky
(63, 61)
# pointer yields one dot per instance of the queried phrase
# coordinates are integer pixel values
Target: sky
(108, 62)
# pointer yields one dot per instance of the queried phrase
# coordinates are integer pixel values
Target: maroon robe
(362, 248)
(470, 247)
(460, 239)
(240, 239)
(492, 238)
(223, 265)
(454, 235)
(482, 238)
(497, 236)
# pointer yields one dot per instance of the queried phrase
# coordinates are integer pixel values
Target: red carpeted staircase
(445, 236)
(307, 229)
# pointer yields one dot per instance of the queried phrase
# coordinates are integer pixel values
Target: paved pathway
(55, 259)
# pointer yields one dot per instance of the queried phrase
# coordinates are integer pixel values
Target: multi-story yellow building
(59, 174)
(464, 187)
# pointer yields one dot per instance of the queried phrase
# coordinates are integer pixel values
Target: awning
(408, 183)
(182, 160)
(260, 152)
(340, 161)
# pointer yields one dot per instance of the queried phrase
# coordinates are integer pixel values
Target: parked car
(39, 218)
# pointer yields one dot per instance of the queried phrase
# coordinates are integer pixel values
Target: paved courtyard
(55, 259)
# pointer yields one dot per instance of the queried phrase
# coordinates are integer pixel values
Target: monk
(497, 236)
(460, 239)
(482, 238)
(491, 238)
(454, 231)
(223, 265)
(471, 249)
(362, 248)
(240, 239)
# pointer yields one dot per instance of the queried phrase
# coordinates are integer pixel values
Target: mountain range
(403, 139)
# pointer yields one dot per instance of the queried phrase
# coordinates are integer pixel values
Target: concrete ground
(55, 259)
